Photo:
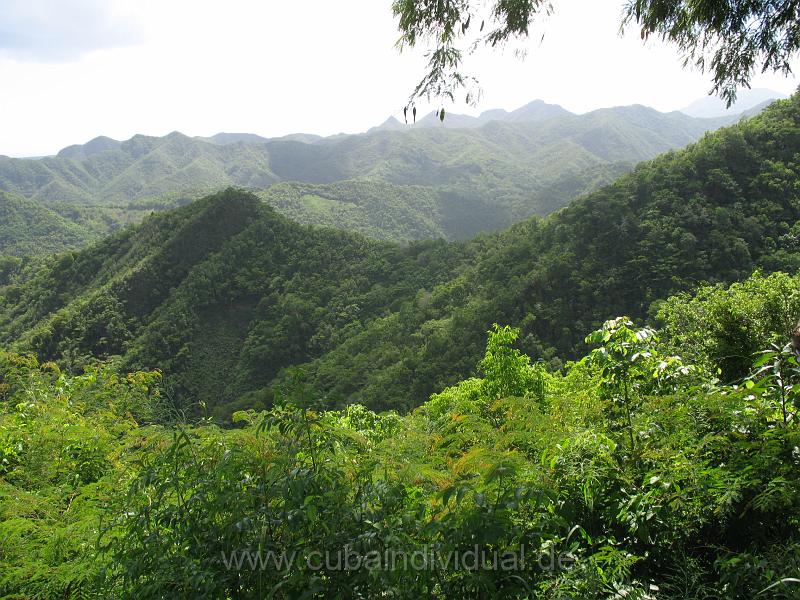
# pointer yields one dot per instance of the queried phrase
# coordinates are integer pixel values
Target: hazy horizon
(77, 69)
(398, 118)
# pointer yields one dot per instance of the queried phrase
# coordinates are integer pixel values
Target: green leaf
(765, 358)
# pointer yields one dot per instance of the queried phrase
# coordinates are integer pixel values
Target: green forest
(307, 391)
(227, 284)
(629, 472)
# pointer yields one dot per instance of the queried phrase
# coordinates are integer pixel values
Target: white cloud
(62, 30)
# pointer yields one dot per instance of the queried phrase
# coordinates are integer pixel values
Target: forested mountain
(32, 228)
(228, 285)
(95, 146)
(241, 270)
(374, 208)
(712, 212)
(479, 178)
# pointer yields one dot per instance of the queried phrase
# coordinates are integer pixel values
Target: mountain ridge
(123, 176)
(466, 180)
(229, 285)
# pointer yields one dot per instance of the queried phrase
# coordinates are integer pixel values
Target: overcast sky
(74, 69)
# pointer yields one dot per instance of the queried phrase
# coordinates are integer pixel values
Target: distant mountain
(232, 138)
(222, 139)
(308, 138)
(141, 167)
(477, 178)
(95, 146)
(537, 110)
(390, 124)
(747, 99)
(756, 110)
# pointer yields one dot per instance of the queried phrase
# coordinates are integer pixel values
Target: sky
(71, 70)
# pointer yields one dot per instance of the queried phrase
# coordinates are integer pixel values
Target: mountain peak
(533, 111)
(493, 114)
(538, 110)
(176, 135)
(390, 124)
(94, 146)
(224, 138)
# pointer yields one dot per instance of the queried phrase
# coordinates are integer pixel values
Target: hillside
(29, 228)
(221, 271)
(712, 212)
(480, 178)
(228, 285)
(373, 208)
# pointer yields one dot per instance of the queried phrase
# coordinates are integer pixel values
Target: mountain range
(228, 285)
(749, 102)
(395, 182)
(538, 110)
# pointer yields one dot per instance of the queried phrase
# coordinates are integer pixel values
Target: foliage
(441, 503)
(731, 40)
(776, 380)
(65, 447)
(723, 327)
(631, 368)
(447, 25)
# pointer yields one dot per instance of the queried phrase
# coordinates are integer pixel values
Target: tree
(728, 39)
